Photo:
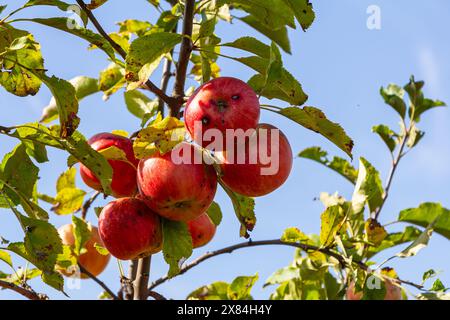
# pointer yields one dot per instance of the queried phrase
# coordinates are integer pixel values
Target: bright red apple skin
(124, 174)
(393, 292)
(91, 260)
(129, 229)
(246, 179)
(202, 230)
(222, 103)
(180, 192)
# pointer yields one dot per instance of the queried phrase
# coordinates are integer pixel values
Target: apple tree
(160, 205)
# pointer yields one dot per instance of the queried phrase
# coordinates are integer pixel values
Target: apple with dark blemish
(221, 104)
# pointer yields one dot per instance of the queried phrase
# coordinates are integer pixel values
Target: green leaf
(21, 274)
(177, 244)
(332, 221)
(95, 4)
(273, 14)
(241, 287)
(69, 198)
(425, 214)
(66, 7)
(42, 243)
(279, 36)
(2, 7)
(415, 135)
(314, 119)
(6, 257)
(244, 208)
(433, 296)
(387, 135)
(111, 80)
(393, 95)
(368, 188)
(139, 104)
(251, 45)
(20, 62)
(294, 235)
(214, 291)
(162, 135)
(53, 279)
(438, 286)
(418, 244)
(375, 232)
(282, 275)
(66, 102)
(332, 287)
(100, 249)
(215, 213)
(18, 175)
(285, 87)
(374, 292)
(84, 86)
(303, 11)
(81, 233)
(78, 147)
(66, 180)
(71, 26)
(394, 239)
(288, 290)
(425, 105)
(339, 165)
(68, 201)
(428, 275)
(146, 50)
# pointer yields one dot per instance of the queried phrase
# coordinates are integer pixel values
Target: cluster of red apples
(156, 187)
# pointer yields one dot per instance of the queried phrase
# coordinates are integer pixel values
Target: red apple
(393, 292)
(129, 229)
(91, 260)
(222, 103)
(177, 190)
(124, 173)
(266, 162)
(202, 230)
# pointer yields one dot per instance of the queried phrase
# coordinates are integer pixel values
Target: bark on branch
(230, 249)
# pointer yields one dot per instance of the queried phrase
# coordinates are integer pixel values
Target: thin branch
(127, 283)
(156, 295)
(100, 29)
(183, 58)
(98, 281)
(142, 277)
(148, 85)
(230, 249)
(391, 175)
(27, 293)
(87, 205)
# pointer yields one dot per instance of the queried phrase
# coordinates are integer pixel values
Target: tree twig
(142, 277)
(391, 175)
(249, 244)
(88, 204)
(156, 295)
(183, 58)
(27, 293)
(148, 85)
(99, 282)
(127, 283)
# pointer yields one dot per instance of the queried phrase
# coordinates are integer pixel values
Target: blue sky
(341, 65)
